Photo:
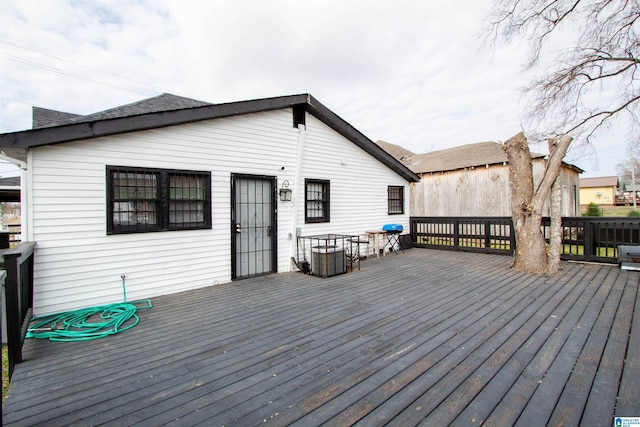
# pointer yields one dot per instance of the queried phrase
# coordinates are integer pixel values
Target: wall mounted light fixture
(285, 192)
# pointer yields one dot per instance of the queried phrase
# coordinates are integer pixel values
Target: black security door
(253, 225)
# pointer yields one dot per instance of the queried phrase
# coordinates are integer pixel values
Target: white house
(173, 194)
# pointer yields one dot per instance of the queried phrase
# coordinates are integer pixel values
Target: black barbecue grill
(393, 234)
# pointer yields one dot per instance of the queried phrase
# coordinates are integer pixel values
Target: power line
(30, 104)
(75, 75)
(57, 58)
(66, 73)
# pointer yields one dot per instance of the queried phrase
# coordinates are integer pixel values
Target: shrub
(633, 213)
(593, 210)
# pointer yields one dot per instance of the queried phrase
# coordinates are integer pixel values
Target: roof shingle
(465, 156)
(601, 181)
(43, 117)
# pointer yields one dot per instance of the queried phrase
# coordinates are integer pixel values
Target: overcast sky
(413, 73)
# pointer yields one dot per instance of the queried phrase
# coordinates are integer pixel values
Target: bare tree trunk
(557, 149)
(555, 230)
(526, 203)
(531, 251)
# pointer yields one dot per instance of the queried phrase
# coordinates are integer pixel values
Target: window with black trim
(316, 200)
(140, 200)
(395, 200)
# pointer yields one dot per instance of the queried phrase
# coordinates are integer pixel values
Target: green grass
(579, 250)
(611, 210)
(466, 242)
(479, 243)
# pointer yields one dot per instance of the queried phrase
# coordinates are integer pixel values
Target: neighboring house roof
(461, 157)
(168, 110)
(10, 189)
(464, 156)
(396, 151)
(10, 181)
(601, 181)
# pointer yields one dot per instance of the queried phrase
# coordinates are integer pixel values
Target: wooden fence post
(3, 276)
(18, 298)
(13, 312)
(456, 234)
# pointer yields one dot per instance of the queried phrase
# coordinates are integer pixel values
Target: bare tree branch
(602, 116)
(591, 82)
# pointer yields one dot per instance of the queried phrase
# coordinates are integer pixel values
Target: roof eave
(480, 165)
(73, 132)
(79, 131)
(334, 121)
(574, 167)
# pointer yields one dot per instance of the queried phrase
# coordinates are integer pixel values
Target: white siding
(78, 264)
(358, 184)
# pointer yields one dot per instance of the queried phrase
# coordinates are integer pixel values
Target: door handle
(238, 228)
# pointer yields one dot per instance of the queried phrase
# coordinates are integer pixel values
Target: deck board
(628, 401)
(570, 405)
(499, 346)
(502, 400)
(425, 337)
(602, 392)
(543, 402)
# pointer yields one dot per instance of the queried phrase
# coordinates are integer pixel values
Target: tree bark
(531, 253)
(555, 229)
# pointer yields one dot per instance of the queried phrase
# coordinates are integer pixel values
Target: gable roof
(396, 151)
(10, 181)
(10, 189)
(43, 117)
(600, 181)
(464, 156)
(169, 110)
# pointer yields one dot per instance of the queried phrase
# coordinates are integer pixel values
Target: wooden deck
(426, 337)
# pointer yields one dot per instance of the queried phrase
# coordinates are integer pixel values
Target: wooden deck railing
(11, 237)
(593, 239)
(18, 291)
(3, 276)
(473, 234)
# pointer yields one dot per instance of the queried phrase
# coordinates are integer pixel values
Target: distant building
(396, 151)
(10, 208)
(625, 194)
(473, 180)
(600, 190)
(10, 189)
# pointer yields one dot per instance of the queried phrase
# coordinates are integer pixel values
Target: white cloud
(411, 73)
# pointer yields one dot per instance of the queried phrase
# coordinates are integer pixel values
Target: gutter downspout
(298, 194)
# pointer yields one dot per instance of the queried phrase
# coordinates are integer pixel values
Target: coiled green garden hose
(89, 323)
